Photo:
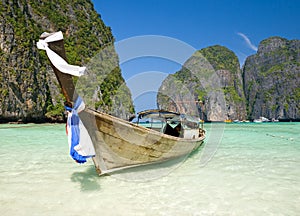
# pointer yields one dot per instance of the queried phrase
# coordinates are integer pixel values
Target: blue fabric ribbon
(68, 108)
(75, 132)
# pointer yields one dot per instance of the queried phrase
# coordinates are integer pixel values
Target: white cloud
(247, 40)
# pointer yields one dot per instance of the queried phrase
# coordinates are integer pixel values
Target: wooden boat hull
(120, 144)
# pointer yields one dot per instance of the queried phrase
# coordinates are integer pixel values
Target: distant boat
(117, 143)
(275, 120)
(261, 119)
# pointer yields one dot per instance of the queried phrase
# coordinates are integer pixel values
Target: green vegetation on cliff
(221, 58)
(29, 90)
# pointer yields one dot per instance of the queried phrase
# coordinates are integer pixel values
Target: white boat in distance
(261, 119)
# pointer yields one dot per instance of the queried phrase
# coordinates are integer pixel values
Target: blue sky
(238, 25)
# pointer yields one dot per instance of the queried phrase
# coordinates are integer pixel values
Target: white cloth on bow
(55, 59)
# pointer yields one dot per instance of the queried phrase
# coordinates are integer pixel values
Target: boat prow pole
(65, 80)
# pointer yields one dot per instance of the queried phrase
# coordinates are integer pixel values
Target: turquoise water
(253, 170)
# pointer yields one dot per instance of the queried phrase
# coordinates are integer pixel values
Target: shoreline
(41, 120)
(63, 121)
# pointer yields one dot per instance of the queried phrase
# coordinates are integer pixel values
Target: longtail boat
(117, 143)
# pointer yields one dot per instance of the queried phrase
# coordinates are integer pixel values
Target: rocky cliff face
(212, 84)
(272, 80)
(28, 88)
(209, 85)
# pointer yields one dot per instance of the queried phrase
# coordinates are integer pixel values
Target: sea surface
(242, 169)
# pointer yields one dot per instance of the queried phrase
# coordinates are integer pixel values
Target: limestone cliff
(28, 88)
(212, 85)
(209, 85)
(272, 80)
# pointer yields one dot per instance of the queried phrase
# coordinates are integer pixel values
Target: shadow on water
(149, 172)
(197, 151)
(89, 180)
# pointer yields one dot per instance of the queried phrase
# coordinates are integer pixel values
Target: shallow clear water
(253, 170)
